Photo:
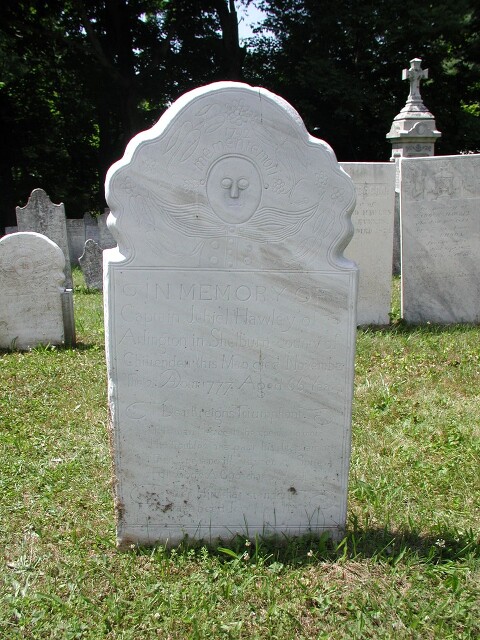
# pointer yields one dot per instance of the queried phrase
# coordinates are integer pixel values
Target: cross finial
(414, 74)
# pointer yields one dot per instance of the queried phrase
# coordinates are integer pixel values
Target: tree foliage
(78, 78)
(340, 65)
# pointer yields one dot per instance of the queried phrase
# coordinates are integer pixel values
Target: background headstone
(31, 289)
(106, 240)
(42, 216)
(440, 218)
(76, 239)
(91, 228)
(372, 244)
(91, 263)
(10, 230)
(230, 323)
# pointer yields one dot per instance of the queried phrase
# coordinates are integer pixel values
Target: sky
(247, 15)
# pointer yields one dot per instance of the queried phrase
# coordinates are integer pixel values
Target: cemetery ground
(408, 567)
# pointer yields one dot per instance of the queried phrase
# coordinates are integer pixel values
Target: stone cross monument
(413, 133)
(415, 74)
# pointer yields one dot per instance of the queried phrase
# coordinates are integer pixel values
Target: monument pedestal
(414, 132)
(413, 135)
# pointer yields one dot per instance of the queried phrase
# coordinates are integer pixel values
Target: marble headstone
(372, 244)
(91, 263)
(440, 232)
(230, 323)
(40, 215)
(31, 291)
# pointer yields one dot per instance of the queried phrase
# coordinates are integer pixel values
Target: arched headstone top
(31, 291)
(29, 258)
(230, 178)
(41, 215)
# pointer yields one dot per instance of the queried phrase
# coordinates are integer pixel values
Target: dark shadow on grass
(87, 346)
(401, 327)
(381, 545)
(61, 348)
(87, 291)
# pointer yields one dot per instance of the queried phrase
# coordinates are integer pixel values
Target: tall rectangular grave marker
(440, 235)
(372, 244)
(40, 215)
(230, 323)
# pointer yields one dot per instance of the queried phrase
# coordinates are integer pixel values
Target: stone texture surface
(230, 323)
(40, 215)
(76, 239)
(88, 228)
(413, 132)
(68, 318)
(91, 228)
(31, 289)
(372, 244)
(91, 263)
(105, 238)
(440, 218)
(396, 260)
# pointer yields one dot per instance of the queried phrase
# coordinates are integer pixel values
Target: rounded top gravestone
(31, 284)
(230, 323)
(230, 162)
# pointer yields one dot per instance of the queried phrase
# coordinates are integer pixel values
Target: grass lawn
(409, 566)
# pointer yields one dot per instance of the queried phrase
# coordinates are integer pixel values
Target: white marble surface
(230, 323)
(372, 244)
(31, 289)
(40, 215)
(440, 231)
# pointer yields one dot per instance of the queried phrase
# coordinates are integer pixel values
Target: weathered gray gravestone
(372, 245)
(91, 263)
(106, 240)
(91, 228)
(230, 323)
(76, 239)
(34, 307)
(88, 228)
(440, 218)
(40, 215)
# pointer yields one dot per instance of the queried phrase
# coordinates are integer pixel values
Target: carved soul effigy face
(234, 189)
(218, 180)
